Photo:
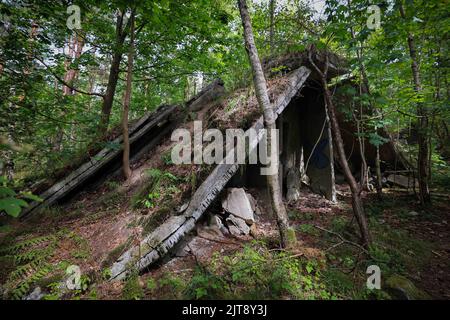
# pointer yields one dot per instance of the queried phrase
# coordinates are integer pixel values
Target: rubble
(237, 203)
(237, 226)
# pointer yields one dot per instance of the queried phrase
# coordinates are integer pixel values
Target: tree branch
(67, 84)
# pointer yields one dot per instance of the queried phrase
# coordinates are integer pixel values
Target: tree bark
(379, 182)
(357, 204)
(272, 26)
(365, 82)
(113, 77)
(75, 46)
(422, 135)
(126, 103)
(331, 150)
(287, 234)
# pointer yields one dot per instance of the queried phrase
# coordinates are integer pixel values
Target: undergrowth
(252, 273)
(28, 262)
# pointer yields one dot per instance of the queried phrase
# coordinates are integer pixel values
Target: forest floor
(408, 242)
(91, 233)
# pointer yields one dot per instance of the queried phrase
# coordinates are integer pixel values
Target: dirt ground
(104, 224)
(431, 226)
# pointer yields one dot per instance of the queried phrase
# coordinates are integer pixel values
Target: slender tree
(423, 162)
(355, 187)
(272, 26)
(126, 102)
(114, 71)
(287, 234)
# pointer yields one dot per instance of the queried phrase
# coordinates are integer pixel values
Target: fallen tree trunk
(167, 235)
(100, 161)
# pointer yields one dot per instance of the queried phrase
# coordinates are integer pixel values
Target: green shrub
(132, 289)
(258, 273)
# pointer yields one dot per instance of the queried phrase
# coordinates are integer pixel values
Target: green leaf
(6, 192)
(30, 196)
(12, 206)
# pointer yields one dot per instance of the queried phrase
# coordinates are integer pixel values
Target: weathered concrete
(102, 160)
(315, 141)
(293, 185)
(164, 238)
(402, 181)
(208, 94)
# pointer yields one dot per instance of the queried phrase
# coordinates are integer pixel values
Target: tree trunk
(287, 234)
(422, 135)
(126, 104)
(331, 150)
(357, 204)
(365, 82)
(75, 46)
(379, 182)
(113, 77)
(272, 26)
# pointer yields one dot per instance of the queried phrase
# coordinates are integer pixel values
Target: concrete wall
(315, 140)
(300, 126)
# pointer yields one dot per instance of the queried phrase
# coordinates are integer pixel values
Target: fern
(20, 290)
(32, 261)
(26, 243)
(30, 257)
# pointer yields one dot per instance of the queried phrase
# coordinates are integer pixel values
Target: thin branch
(68, 85)
(342, 238)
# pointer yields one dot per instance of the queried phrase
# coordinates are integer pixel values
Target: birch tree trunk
(287, 234)
(126, 103)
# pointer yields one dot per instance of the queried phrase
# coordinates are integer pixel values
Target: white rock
(35, 295)
(238, 204)
(237, 226)
(216, 222)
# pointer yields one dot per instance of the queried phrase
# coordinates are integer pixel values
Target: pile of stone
(238, 213)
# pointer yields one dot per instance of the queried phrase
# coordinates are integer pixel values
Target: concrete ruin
(304, 150)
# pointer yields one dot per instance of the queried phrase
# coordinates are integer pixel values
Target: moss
(110, 199)
(338, 281)
(150, 184)
(116, 253)
(291, 237)
(400, 287)
(193, 182)
(155, 219)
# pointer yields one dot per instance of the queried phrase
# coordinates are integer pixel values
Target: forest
(224, 150)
